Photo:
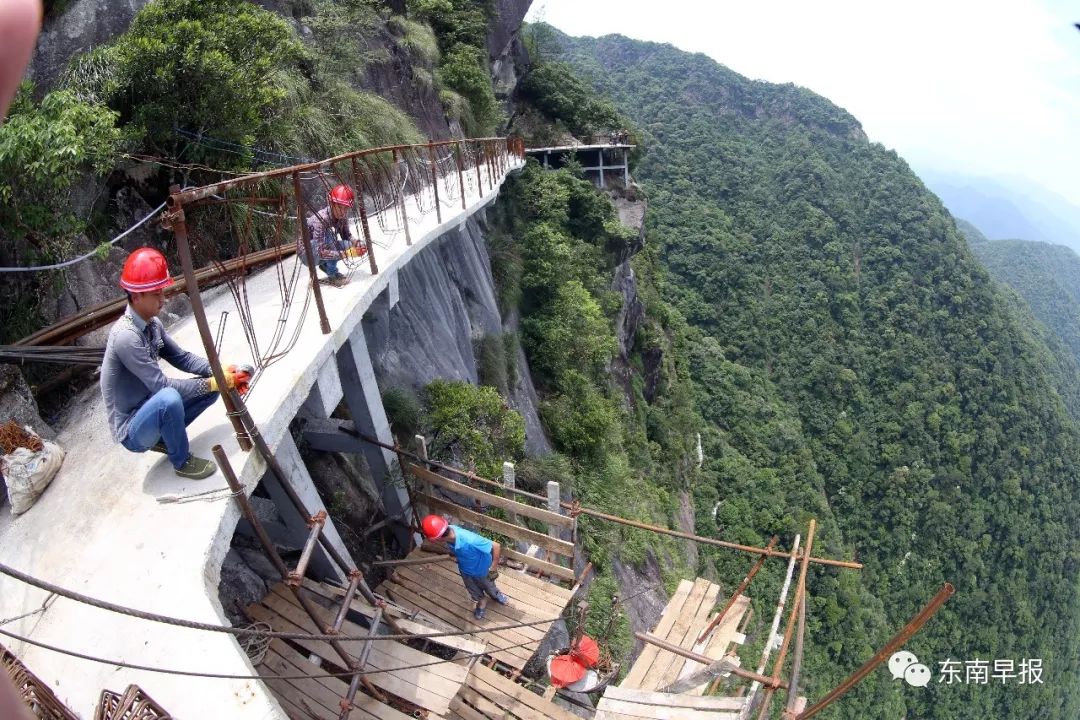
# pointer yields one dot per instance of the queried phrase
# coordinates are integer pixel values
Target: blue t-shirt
(473, 552)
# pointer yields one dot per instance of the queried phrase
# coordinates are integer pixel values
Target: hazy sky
(984, 88)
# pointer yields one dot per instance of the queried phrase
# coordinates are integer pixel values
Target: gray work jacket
(130, 373)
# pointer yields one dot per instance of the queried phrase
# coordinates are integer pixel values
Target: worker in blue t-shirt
(477, 559)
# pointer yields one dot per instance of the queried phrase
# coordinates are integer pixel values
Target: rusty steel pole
(435, 182)
(271, 551)
(913, 626)
(800, 594)
(460, 172)
(796, 660)
(174, 219)
(400, 199)
(364, 218)
(490, 164)
(315, 527)
(479, 181)
(305, 238)
(738, 591)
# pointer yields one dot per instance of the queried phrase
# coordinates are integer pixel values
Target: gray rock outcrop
(17, 402)
(82, 26)
(447, 305)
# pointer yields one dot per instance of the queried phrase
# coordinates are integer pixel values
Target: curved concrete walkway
(100, 530)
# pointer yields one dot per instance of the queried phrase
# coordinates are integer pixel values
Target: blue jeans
(330, 268)
(165, 416)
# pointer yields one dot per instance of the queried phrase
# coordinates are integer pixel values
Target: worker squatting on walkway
(477, 559)
(331, 236)
(148, 411)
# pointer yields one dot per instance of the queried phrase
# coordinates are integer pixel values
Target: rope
(256, 646)
(193, 625)
(92, 253)
(224, 676)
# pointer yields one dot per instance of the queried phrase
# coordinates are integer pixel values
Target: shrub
(419, 39)
(206, 66)
(464, 69)
(555, 90)
(403, 411)
(570, 334)
(472, 425)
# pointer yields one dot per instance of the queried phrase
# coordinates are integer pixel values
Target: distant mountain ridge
(1008, 208)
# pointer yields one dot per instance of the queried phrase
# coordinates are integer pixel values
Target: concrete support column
(300, 480)
(365, 406)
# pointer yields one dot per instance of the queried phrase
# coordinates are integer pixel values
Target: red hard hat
(145, 270)
(564, 670)
(586, 652)
(434, 526)
(342, 195)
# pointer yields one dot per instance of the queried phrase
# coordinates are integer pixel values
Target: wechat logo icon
(904, 664)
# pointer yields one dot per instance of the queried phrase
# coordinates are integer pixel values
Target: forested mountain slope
(847, 342)
(1046, 276)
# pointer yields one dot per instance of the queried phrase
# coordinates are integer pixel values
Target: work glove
(237, 378)
(230, 380)
(356, 251)
(242, 375)
(493, 574)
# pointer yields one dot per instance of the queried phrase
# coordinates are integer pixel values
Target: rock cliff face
(446, 308)
(83, 25)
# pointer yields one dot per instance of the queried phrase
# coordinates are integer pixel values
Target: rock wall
(447, 306)
(83, 25)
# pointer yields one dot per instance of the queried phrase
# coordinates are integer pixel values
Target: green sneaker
(159, 447)
(196, 468)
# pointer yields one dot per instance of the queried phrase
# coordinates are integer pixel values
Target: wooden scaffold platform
(687, 615)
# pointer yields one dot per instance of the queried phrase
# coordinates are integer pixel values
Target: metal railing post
(400, 199)
(364, 218)
(479, 181)
(174, 220)
(305, 237)
(435, 182)
(460, 172)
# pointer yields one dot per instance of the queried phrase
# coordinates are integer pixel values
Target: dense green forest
(853, 361)
(1046, 276)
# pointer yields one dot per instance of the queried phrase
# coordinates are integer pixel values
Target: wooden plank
(718, 641)
(660, 712)
(308, 707)
(482, 703)
(316, 692)
(495, 639)
(462, 606)
(520, 695)
(336, 686)
(528, 592)
(559, 547)
(696, 620)
(651, 697)
(660, 674)
(419, 686)
(464, 711)
(516, 657)
(543, 566)
(641, 666)
(543, 515)
(394, 649)
(456, 642)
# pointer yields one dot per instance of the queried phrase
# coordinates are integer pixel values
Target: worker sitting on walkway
(477, 559)
(148, 411)
(331, 236)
